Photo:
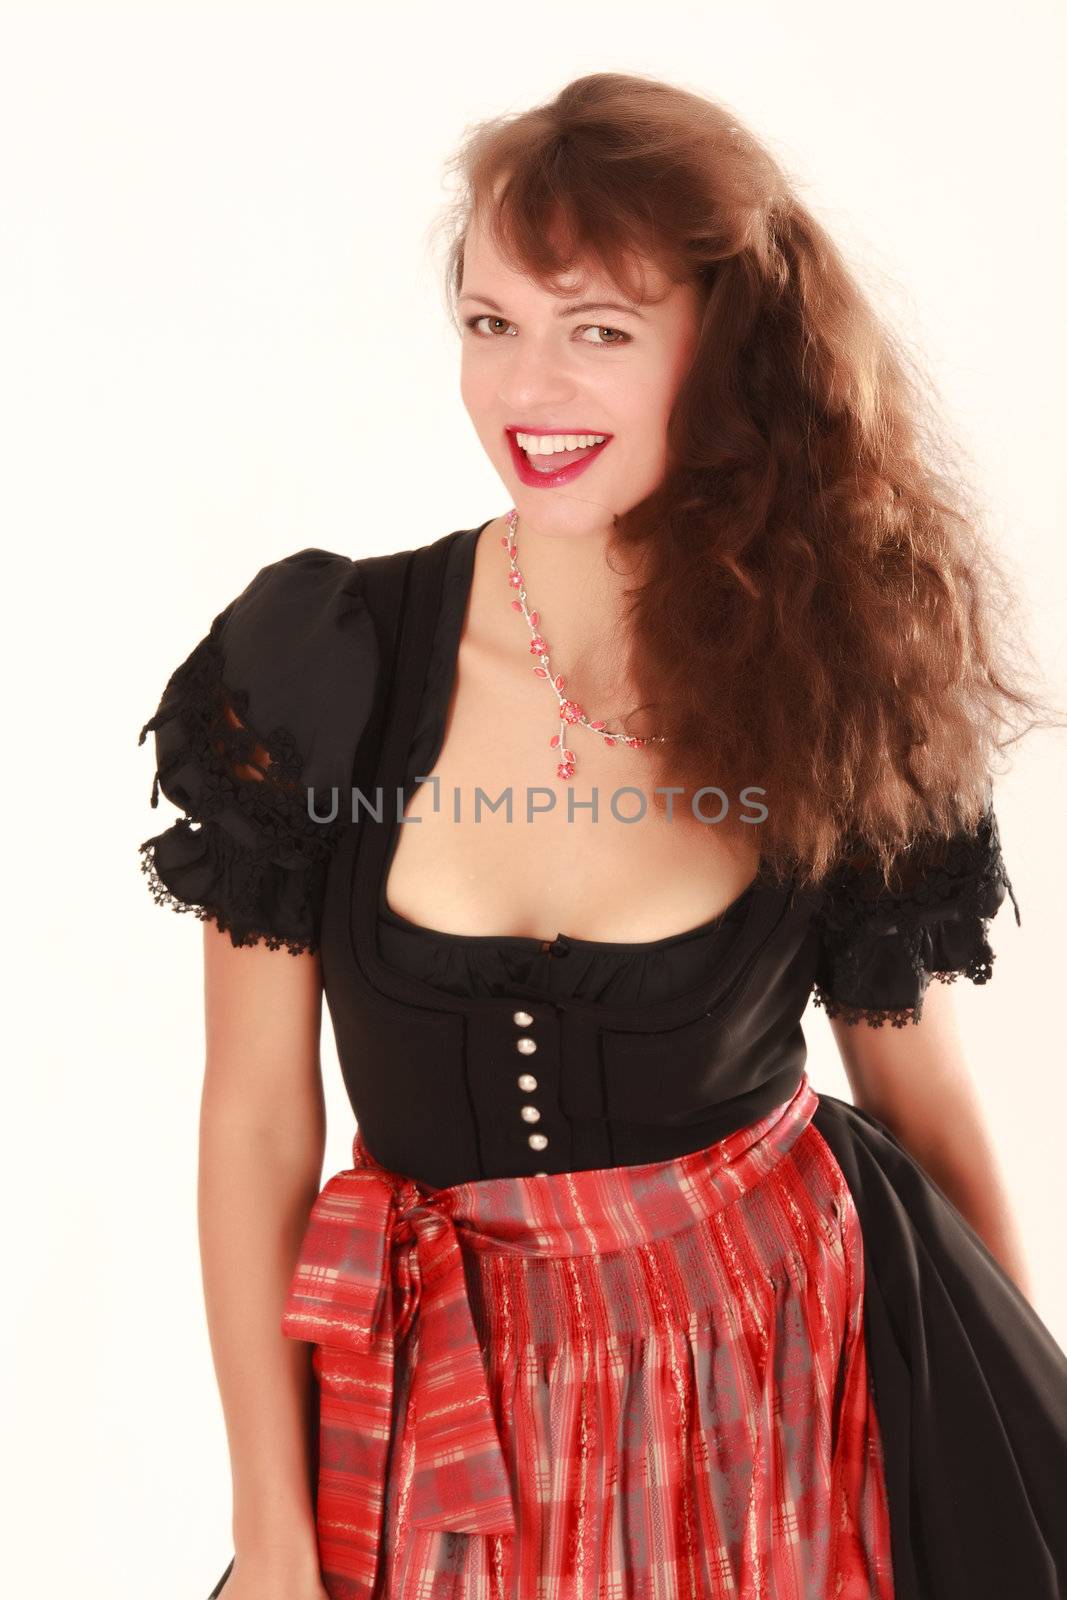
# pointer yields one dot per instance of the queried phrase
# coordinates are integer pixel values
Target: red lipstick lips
(529, 475)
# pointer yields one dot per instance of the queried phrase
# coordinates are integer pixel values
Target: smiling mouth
(548, 466)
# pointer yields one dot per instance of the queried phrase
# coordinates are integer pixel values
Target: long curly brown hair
(819, 614)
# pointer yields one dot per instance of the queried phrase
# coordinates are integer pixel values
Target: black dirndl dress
(719, 1334)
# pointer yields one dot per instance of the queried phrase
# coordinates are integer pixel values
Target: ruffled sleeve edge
(977, 893)
(180, 831)
(896, 1017)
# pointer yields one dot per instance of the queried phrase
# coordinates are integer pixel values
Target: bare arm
(915, 1080)
(262, 1139)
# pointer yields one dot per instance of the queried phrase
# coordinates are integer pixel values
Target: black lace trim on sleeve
(256, 854)
(961, 881)
(246, 879)
(877, 1017)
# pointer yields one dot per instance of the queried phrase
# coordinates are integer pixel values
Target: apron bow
(375, 1254)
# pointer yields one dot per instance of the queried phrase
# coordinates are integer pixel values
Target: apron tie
(370, 1244)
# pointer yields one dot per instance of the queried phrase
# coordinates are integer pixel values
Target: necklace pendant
(567, 763)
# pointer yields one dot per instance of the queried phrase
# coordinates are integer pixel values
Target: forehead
(486, 269)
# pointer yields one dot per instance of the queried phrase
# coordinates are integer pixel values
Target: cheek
(661, 383)
(641, 420)
(638, 408)
(476, 392)
(638, 391)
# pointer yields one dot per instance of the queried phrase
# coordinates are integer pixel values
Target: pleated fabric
(672, 1357)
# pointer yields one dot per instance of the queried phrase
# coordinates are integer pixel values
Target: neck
(568, 580)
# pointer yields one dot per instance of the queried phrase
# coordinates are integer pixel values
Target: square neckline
(449, 629)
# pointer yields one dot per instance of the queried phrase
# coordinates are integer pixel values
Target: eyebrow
(569, 310)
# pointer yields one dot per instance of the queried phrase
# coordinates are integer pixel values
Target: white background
(223, 339)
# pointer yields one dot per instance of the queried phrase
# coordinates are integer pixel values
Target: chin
(556, 511)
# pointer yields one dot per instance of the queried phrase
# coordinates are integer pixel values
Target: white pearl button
(526, 1046)
(530, 1114)
(540, 1174)
(537, 1141)
(526, 1081)
(523, 1018)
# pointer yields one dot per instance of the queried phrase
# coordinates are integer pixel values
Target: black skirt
(970, 1386)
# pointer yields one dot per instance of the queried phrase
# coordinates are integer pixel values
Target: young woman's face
(535, 362)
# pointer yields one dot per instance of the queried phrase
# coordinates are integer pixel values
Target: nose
(534, 379)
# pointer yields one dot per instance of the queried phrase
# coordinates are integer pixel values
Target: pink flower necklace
(570, 712)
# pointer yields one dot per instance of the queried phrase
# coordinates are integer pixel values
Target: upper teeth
(547, 444)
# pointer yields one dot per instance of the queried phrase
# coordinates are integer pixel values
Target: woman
(611, 1302)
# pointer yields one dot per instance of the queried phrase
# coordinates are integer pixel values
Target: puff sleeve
(255, 738)
(879, 948)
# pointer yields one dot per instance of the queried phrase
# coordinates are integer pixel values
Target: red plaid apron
(630, 1383)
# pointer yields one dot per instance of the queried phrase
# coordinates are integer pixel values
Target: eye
(619, 339)
(472, 323)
